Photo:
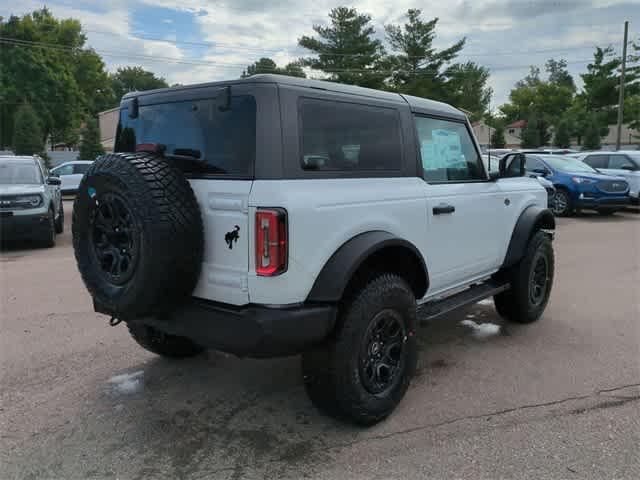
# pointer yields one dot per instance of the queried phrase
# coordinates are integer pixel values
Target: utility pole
(622, 72)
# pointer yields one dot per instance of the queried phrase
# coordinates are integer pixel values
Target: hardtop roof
(417, 104)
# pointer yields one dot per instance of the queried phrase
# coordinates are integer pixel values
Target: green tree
(267, 65)
(562, 138)
(592, 135)
(346, 50)
(467, 87)
(531, 136)
(497, 137)
(45, 77)
(27, 134)
(134, 79)
(601, 83)
(558, 73)
(420, 69)
(90, 146)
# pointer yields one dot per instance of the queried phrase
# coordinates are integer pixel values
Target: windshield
(19, 173)
(200, 136)
(568, 164)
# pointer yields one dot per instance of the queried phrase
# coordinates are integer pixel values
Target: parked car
(71, 173)
(578, 186)
(624, 164)
(492, 164)
(30, 201)
(274, 215)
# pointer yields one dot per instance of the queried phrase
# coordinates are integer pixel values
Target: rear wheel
(162, 344)
(363, 371)
(561, 204)
(531, 282)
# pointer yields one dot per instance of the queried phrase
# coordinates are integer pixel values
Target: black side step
(471, 295)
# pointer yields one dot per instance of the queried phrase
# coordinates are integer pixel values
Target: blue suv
(578, 186)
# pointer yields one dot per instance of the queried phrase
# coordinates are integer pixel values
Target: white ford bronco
(273, 216)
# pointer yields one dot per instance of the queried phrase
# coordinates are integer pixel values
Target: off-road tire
(162, 344)
(166, 226)
(49, 237)
(332, 372)
(516, 305)
(60, 219)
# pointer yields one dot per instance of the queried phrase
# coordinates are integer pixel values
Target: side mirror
(53, 181)
(493, 176)
(628, 167)
(515, 168)
(540, 171)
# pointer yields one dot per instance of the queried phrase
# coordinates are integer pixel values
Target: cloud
(504, 35)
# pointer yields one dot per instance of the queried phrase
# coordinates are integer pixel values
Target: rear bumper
(251, 331)
(23, 226)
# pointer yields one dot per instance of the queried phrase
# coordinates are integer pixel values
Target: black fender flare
(339, 269)
(532, 218)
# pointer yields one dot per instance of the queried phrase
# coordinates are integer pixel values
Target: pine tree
(531, 133)
(346, 50)
(90, 146)
(27, 132)
(497, 138)
(592, 136)
(562, 138)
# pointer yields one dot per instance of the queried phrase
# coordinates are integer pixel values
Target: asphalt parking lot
(556, 399)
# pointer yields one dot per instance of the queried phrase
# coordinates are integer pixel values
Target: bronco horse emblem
(232, 236)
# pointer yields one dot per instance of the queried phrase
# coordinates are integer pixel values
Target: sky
(193, 41)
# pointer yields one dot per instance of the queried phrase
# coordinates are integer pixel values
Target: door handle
(443, 208)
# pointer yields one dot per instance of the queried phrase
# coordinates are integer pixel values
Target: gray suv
(30, 201)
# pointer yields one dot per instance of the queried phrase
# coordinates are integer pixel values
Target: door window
(81, 168)
(447, 151)
(596, 161)
(64, 170)
(619, 161)
(532, 163)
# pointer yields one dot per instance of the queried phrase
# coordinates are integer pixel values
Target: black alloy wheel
(381, 356)
(115, 238)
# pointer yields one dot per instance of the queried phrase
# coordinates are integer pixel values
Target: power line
(42, 45)
(227, 46)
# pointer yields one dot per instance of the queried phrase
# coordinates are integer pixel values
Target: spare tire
(137, 234)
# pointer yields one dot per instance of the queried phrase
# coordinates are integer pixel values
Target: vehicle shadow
(219, 416)
(619, 216)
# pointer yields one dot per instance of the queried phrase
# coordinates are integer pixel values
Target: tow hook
(113, 321)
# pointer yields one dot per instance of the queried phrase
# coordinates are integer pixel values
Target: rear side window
(340, 136)
(619, 161)
(198, 135)
(81, 168)
(447, 151)
(596, 161)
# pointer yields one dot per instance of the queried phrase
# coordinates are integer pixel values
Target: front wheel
(531, 282)
(561, 204)
(60, 219)
(363, 371)
(49, 235)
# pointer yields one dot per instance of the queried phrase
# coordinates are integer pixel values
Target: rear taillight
(271, 241)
